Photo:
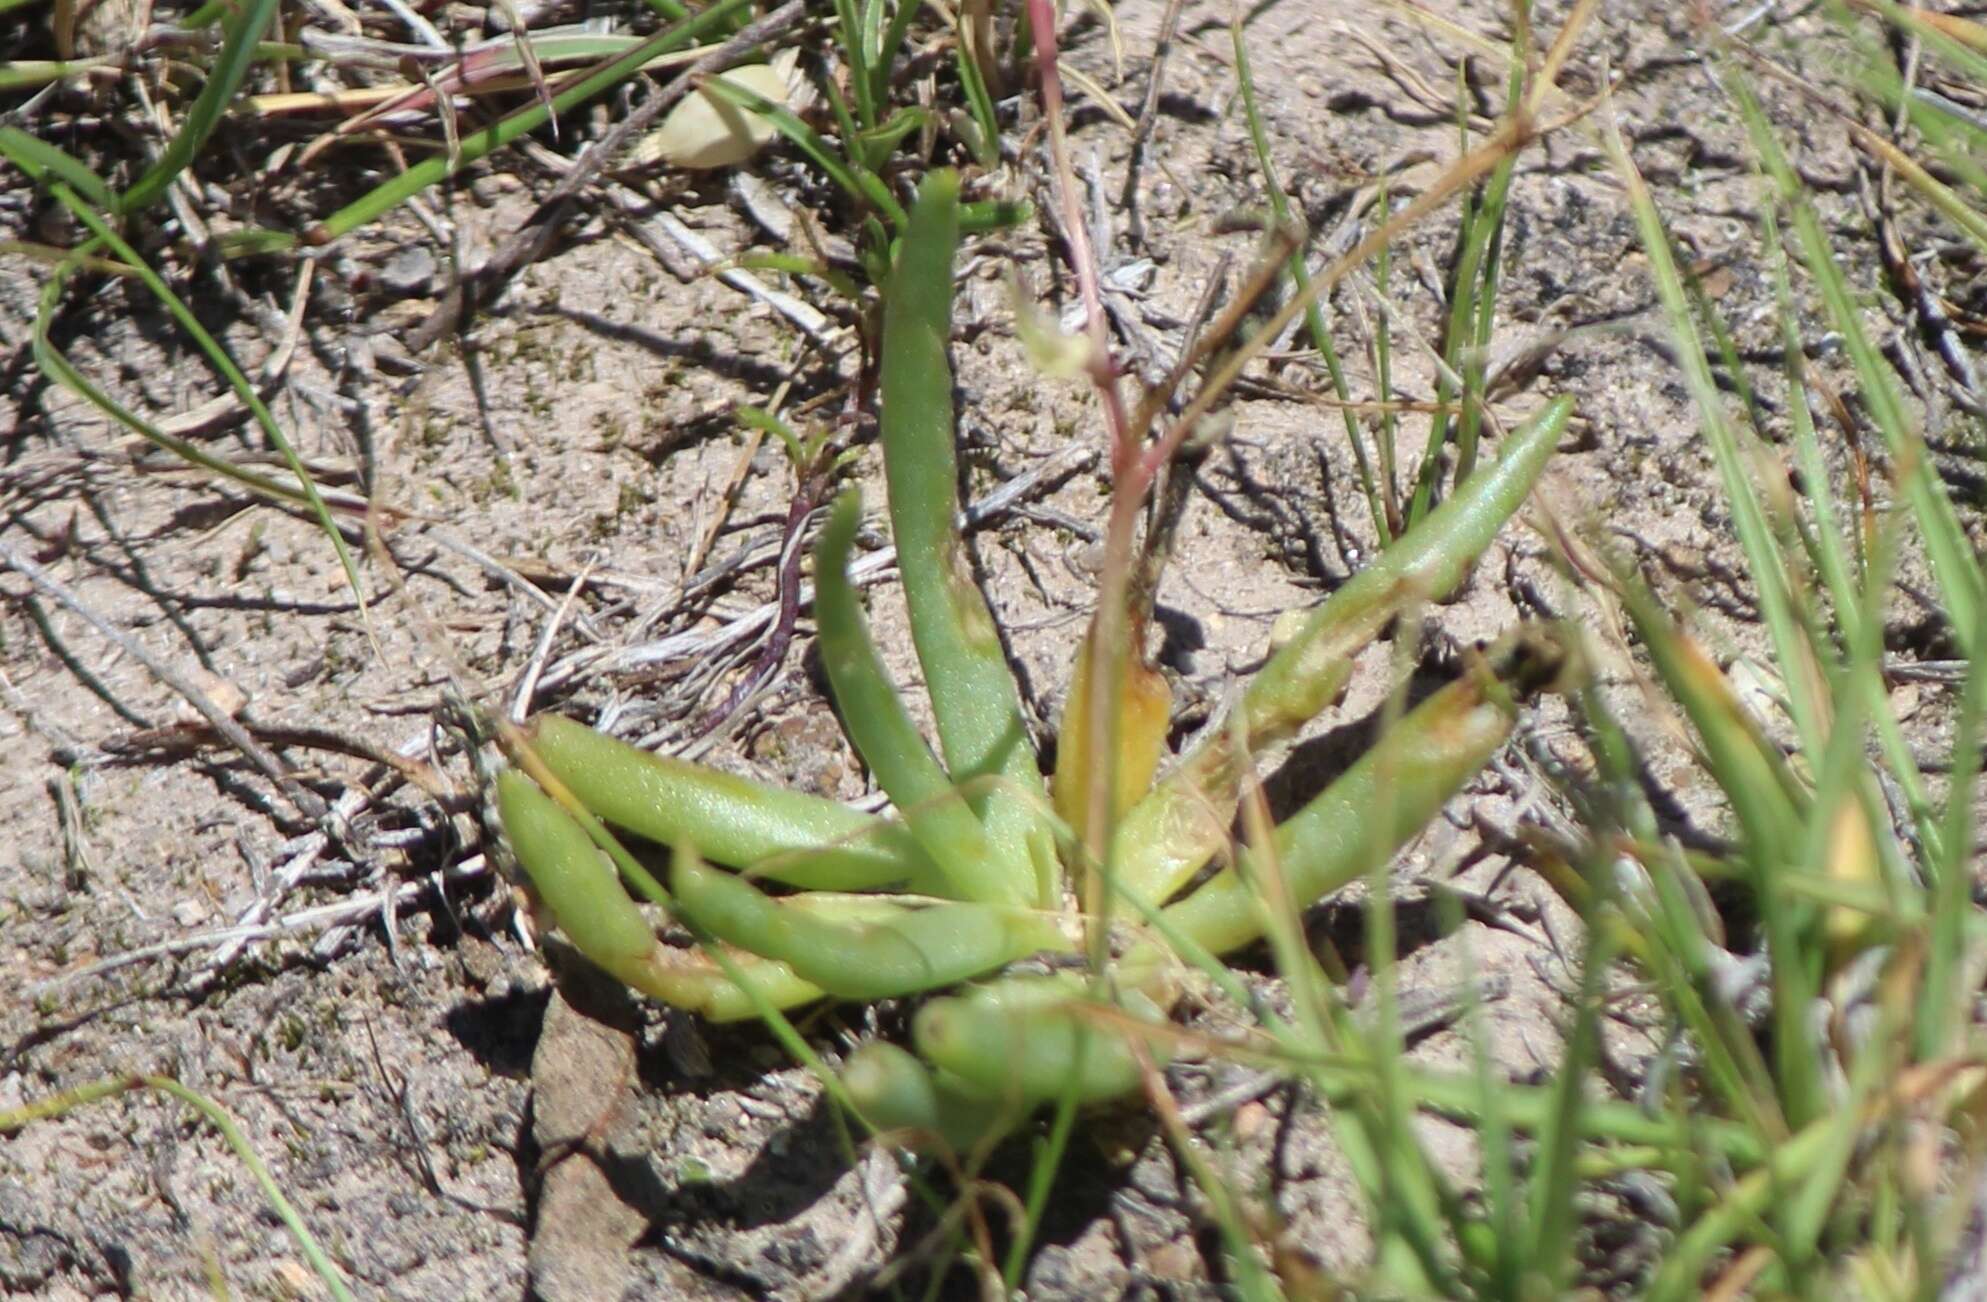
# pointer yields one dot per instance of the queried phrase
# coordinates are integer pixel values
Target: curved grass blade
(15, 1118)
(45, 163)
(888, 47)
(1942, 997)
(58, 366)
(880, 139)
(1769, 569)
(1789, 1166)
(225, 364)
(1773, 812)
(856, 51)
(1547, 1256)
(862, 184)
(1764, 794)
(986, 125)
(1300, 278)
(237, 54)
(1957, 571)
(480, 144)
(1825, 542)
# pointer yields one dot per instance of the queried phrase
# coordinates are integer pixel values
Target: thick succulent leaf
(787, 836)
(869, 957)
(1169, 835)
(1027, 1040)
(973, 698)
(883, 732)
(582, 892)
(1379, 804)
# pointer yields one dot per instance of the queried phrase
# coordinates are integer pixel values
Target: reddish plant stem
(1083, 258)
(807, 498)
(1131, 477)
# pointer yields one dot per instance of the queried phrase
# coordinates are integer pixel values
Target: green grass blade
(57, 366)
(1830, 556)
(1300, 276)
(891, 44)
(1788, 1166)
(849, 39)
(1504, 1211)
(1383, 366)
(477, 145)
(1476, 360)
(45, 163)
(67, 1101)
(1748, 768)
(1942, 1002)
(1831, 560)
(1773, 814)
(1938, 129)
(879, 140)
(237, 54)
(862, 185)
(979, 103)
(1462, 351)
(1411, 1194)
(320, 1263)
(750, 417)
(1763, 553)
(1554, 1187)
(1342, 1081)
(1954, 566)
(225, 364)
(1048, 1158)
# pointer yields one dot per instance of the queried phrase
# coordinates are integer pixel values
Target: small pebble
(1250, 1119)
(410, 271)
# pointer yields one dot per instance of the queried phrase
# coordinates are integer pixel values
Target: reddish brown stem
(1083, 258)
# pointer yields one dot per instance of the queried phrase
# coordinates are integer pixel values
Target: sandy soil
(367, 1009)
